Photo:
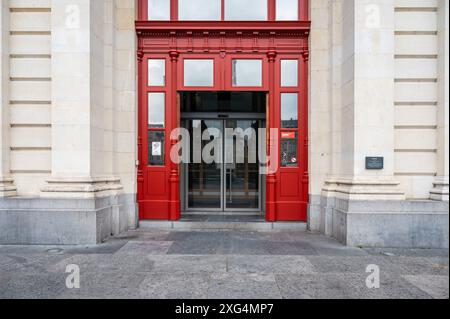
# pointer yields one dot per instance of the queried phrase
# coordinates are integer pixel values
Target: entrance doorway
(223, 173)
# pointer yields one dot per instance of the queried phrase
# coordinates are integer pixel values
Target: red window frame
(271, 10)
(216, 75)
(228, 72)
(272, 41)
(157, 89)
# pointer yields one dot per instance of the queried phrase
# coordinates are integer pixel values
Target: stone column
(329, 122)
(440, 190)
(7, 187)
(80, 126)
(367, 116)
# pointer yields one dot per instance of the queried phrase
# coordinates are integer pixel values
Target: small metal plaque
(373, 162)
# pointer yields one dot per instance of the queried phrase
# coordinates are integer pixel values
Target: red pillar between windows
(272, 121)
(174, 179)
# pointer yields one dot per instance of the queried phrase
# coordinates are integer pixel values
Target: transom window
(249, 10)
(287, 10)
(223, 10)
(247, 73)
(199, 10)
(198, 73)
(158, 10)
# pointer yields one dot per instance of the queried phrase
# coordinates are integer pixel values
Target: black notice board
(374, 162)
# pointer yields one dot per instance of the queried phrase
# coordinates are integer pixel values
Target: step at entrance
(222, 222)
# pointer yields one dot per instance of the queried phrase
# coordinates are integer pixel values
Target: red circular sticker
(294, 160)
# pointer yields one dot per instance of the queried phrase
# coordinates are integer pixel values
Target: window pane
(289, 110)
(156, 72)
(247, 73)
(156, 145)
(159, 10)
(287, 10)
(156, 110)
(198, 72)
(199, 10)
(242, 10)
(289, 73)
(289, 148)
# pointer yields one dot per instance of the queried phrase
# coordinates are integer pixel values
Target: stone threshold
(222, 222)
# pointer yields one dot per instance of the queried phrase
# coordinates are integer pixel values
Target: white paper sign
(156, 149)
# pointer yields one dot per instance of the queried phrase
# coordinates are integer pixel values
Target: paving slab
(175, 286)
(184, 264)
(435, 286)
(270, 265)
(243, 286)
(345, 286)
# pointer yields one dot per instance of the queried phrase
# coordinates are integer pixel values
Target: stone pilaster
(7, 187)
(81, 129)
(367, 113)
(441, 185)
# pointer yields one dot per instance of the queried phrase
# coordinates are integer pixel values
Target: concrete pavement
(221, 264)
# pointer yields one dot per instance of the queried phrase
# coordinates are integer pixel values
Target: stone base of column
(440, 189)
(69, 211)
(375, 214)
(83, 187)
(356, 189)
(7, 187)
(65, 221)
(365, 189)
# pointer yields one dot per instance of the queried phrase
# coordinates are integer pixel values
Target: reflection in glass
(289, 110)
(289, 148)
(156, 145)
(223, 101)
(159, 10)
(156, 72)
(199, 73)
(287, 10)
(241, 165)
(156, 110)
(199, 10)
(204, 179)
(289, 73)
(242, 10)
(247, 73)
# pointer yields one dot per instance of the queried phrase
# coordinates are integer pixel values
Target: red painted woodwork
(271, 41)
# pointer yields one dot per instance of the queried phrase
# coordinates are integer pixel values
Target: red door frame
(287, 190)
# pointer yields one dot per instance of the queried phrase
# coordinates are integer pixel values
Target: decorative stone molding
(7, 187)
(440, 189)
(81, 187)
(364, 189)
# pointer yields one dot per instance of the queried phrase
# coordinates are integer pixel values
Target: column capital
(272, 55)
(174, 55)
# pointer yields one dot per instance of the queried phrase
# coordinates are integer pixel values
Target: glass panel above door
(199, 73)
(289, 73)
(199, 10)
(247, 73)
(246, 10)
(156, 72)
(287, 10)
(289, 110)
(156, 110)
(158, 10)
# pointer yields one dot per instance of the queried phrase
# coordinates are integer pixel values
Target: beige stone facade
(378, 87)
